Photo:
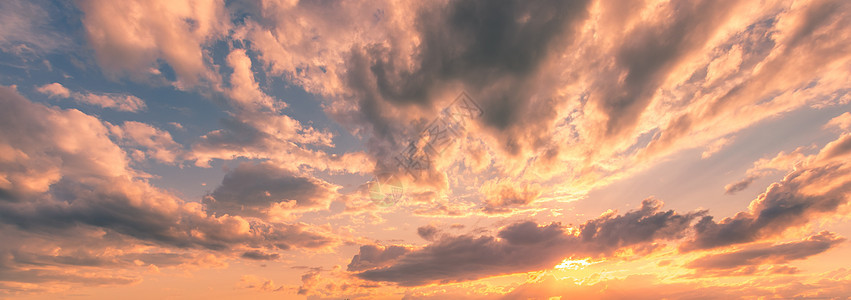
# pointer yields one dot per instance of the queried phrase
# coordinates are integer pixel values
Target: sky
(468, 149)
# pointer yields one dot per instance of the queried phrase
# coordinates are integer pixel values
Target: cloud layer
(139, 139)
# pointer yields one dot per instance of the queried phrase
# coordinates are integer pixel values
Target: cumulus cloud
(579, 93)
(372, 256)
(460, 47)
(265, 190)
(54, 90)
(156, 143)
(527, 246)
(590, 97)
(573, 95)
(842, 122)
(586, 88)
(818, 187)
(63, 176)
(839, 148)
(136, 35)
(782, 161)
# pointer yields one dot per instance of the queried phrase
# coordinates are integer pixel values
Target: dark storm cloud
(492, 47)
(774, 254)
(250, 188)
(784, 204)
(527, 246)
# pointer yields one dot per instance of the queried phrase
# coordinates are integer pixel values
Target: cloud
(428, 232)
(739, 186)
(258, 129)
(158, 144)
(262, 284)
(772, 254)
(64, 178)
(501, 196)
(260, 255)
(572, 96)
(527, 246)
(649, 54)
(25, 27)
(331, 284)
(586, 97)
(54, 90)
(265, 190)
(138, 35)
(816, 188)
(770, 87)
(42, 145)
(117, 101)
(763, 166)
(460, 46)
(837, 149)
(372, 256)
(842, 122)
(576, 92)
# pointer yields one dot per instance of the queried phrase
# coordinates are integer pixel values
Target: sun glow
(569, 264)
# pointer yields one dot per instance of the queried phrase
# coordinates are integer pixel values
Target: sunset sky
(286, 149)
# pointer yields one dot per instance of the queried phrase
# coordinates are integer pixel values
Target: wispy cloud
(116, 101)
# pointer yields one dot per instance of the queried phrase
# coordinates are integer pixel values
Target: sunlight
(569, 264)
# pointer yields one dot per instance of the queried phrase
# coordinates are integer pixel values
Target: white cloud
(54, 90)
